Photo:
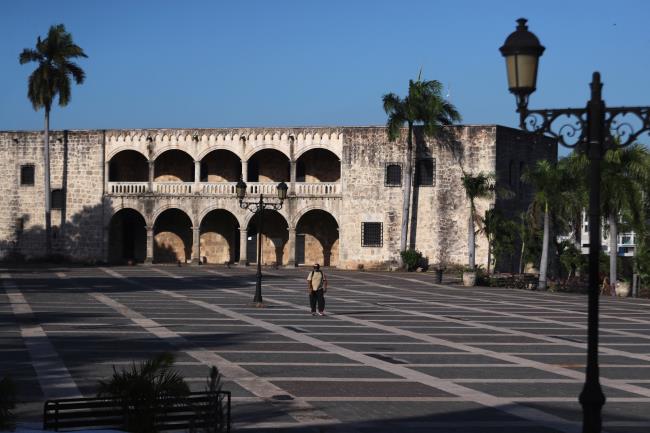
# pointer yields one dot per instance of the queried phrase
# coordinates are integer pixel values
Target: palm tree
(50, 79)
(500, 234)
(551, 193)
(424, 105)
(476, 187)
(625, 172)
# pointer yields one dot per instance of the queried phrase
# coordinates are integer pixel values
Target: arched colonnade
(218, 236)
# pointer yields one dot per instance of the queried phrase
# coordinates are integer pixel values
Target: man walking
(317, 286)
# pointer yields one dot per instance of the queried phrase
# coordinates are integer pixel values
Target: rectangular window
(393, 175)
(27, 175)
(57, 199)
(425, 172)
(372, 234)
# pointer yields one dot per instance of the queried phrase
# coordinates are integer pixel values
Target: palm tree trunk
(613, 250)
(408, 179)
(489, 255)
(471, 243)
(521, 257)
(46, 183)
(543, 265)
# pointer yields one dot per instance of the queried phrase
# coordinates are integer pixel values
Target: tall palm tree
(479, 186)
(424, 105)
(625, 172)
(50, 79)
(552, 191)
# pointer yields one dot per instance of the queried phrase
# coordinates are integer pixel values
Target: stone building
(168, 195)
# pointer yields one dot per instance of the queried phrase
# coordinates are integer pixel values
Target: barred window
(426, 172)
(372, 234)
(393, 175)
(27, 175)
(57, 199)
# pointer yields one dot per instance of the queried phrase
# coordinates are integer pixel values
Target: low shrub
(412, 259)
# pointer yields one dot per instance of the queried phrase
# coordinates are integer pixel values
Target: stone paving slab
(396, 352)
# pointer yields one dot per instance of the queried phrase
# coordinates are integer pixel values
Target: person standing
(317, 286)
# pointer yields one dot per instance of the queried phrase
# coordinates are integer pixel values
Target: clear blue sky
(290, 63)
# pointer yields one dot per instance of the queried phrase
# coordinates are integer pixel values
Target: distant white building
(625, 245)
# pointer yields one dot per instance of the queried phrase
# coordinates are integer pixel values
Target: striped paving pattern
(396, 352)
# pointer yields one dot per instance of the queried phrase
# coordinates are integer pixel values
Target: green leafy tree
(476, 187)
(624, 174)
(424, 106)
(500, 234)
(51, 78)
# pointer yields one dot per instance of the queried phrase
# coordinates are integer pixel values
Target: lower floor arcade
(219, 238)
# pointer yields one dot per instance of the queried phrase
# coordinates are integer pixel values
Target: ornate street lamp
(257, 207)
(593, 130)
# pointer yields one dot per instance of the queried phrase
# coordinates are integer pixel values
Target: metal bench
(198, 411)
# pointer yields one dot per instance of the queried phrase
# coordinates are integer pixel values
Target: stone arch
(250, 152)
(268, 165)
(318, 164)
(172, 230)
(221, 146)
(127, 236)
(302, 150)
(119, 149)
(299, 214)
(219, 236)
(160, 150)
(275, 239)
(158, 211)
(317, 238)
(128, 165)
(173, 165)
(220, 165)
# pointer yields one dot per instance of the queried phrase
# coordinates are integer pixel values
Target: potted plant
(622, 288)
(469, 276)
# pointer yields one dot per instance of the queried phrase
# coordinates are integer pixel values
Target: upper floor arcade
(211, 162)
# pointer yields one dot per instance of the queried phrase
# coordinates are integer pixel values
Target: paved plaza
(395, 352)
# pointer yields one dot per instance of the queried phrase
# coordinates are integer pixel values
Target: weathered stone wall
(517, 151)
(83, 229)
(76, 165)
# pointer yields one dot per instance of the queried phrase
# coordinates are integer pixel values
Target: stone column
(107, 166)
(197, 176)
(244, 171)
(151, 174)
(150, 240)
(292, 247)
(292, 178)
(243, 244)
(196, 243)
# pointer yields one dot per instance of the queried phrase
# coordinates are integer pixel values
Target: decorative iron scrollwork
(623, 125)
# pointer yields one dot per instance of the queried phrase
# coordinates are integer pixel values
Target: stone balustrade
(318, 188)
(127, 187)
(218, 188)
(174, 188)
(302, 189)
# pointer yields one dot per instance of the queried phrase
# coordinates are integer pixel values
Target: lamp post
(257, 207)
(592, 130)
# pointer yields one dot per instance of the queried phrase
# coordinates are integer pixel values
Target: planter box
(469, 279)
